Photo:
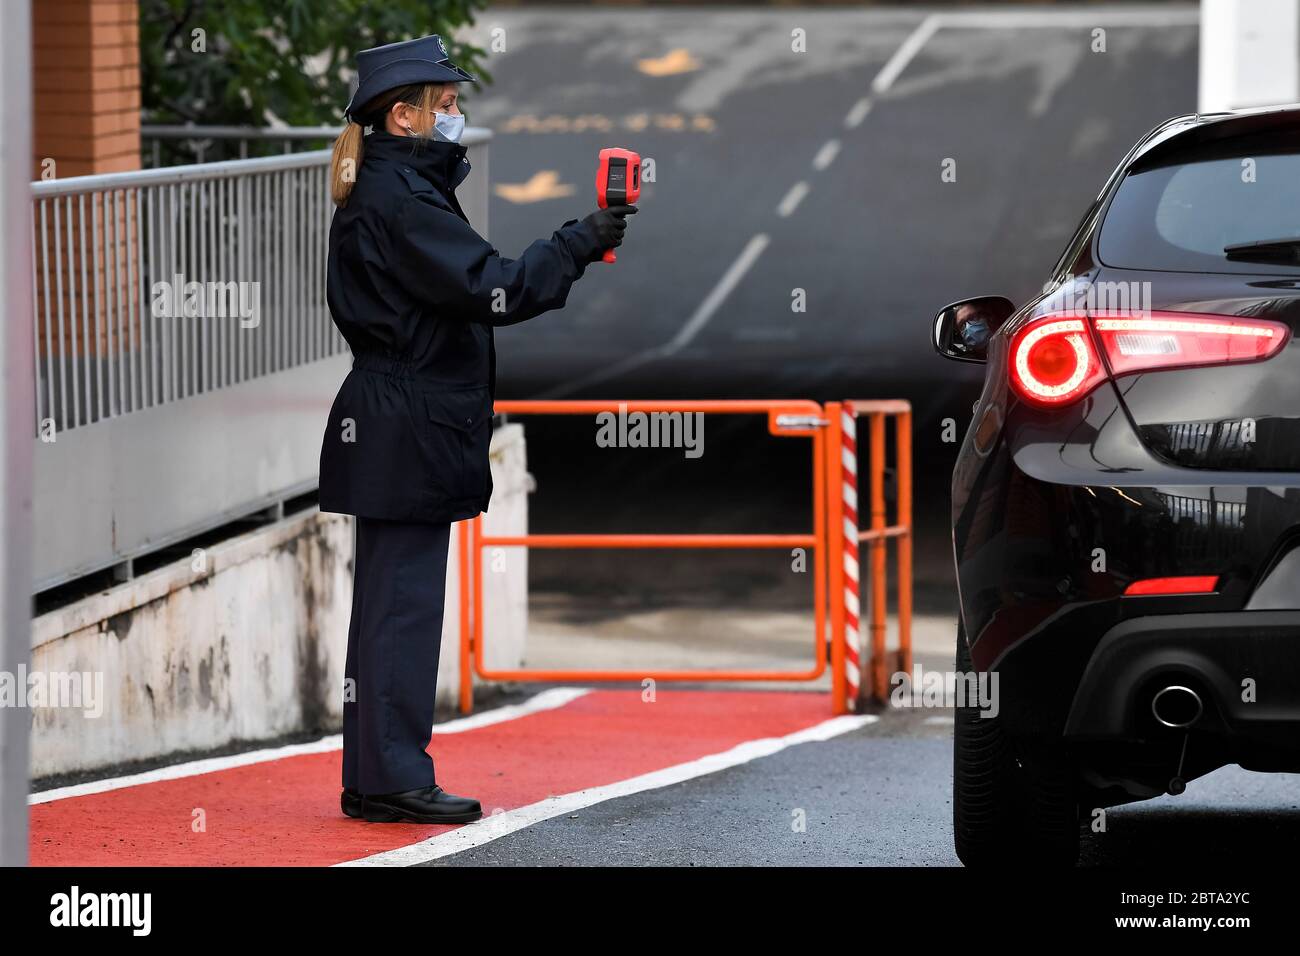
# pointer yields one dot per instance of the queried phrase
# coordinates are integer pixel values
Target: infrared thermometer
(618, 182)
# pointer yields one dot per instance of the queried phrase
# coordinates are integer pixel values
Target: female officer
(416, 292)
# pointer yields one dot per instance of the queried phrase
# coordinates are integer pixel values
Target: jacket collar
(442, 164)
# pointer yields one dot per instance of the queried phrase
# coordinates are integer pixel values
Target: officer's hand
(608, 224)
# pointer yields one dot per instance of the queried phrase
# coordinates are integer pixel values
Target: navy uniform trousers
(399, 575)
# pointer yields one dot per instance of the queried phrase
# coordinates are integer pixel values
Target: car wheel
(1011, 803)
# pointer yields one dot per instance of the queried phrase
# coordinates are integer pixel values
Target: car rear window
(1178, 215)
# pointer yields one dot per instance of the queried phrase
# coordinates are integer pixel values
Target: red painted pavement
(285, 812)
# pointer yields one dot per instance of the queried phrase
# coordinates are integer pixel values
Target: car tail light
(1054, 361)
(1174, 339)
(1194, 584)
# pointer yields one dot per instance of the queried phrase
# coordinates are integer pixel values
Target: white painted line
(858, 113)
(826, 155)
(938, 721)
(547, 700)
(792, 199)
(1026, 19)
(193, 768)
(1102, 16)
(502, 824)
(620, 367)
(1017, 19)
(699, 318)
(904, 54)
(730, 279)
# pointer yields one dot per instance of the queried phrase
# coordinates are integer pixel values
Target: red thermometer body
(618, 182)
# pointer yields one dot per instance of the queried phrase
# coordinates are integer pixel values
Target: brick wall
(86, 62)
(86, 78)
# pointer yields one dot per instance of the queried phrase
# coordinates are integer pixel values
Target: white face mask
(448, 128)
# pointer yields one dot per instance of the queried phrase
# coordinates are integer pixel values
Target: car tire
(1012, 804)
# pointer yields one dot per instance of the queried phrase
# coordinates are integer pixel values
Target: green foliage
(288, 59)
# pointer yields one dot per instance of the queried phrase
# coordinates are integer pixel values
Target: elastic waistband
(402, 368)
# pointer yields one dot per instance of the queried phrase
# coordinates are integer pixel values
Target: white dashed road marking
(698, 320)
(858, 113)
(826, 155)
(792, 199)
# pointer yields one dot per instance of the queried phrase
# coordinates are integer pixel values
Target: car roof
(1195, 128)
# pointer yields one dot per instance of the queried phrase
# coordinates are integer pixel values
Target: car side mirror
(962, 330)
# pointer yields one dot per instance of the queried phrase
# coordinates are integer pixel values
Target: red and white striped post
(860, 671)
(849, 532)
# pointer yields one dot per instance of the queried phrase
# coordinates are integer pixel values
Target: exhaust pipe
(1176, 706)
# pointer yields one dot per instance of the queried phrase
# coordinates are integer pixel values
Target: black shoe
(425, 805)
(351, 801)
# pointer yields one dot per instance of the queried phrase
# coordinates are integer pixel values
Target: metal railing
(158, 285)
(194, 143)
(183, 353)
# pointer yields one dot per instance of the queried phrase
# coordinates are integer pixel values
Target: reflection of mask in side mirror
(972, 328)
(974, 333)
(962, 330)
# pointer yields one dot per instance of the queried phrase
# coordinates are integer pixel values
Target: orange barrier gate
(844, 537)
(786, 418)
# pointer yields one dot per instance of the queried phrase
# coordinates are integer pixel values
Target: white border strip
(1027, 19)
(546, 700)
(502, 824)
(1144, 15)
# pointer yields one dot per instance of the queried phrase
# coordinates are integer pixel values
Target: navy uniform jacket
(416, 292)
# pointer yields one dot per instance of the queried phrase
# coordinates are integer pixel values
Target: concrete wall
(245, 640)
(233, 450)
(1249, 54)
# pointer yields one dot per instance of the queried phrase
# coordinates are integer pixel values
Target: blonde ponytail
(346, 162)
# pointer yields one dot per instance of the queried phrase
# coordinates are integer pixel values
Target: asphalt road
(1033, 120)
(779, 174)
(880, 796)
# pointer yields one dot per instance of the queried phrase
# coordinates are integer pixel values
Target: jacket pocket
(460, 431)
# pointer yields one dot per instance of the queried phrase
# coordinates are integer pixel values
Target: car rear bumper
(1245, 667)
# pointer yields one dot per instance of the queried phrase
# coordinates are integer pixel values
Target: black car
(1126, 502)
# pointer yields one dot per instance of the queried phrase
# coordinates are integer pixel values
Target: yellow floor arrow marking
(544, 184)
(674, 61)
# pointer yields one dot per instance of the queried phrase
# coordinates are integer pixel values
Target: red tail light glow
(1166, 340)
(1195, 584)
(1054, 361)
